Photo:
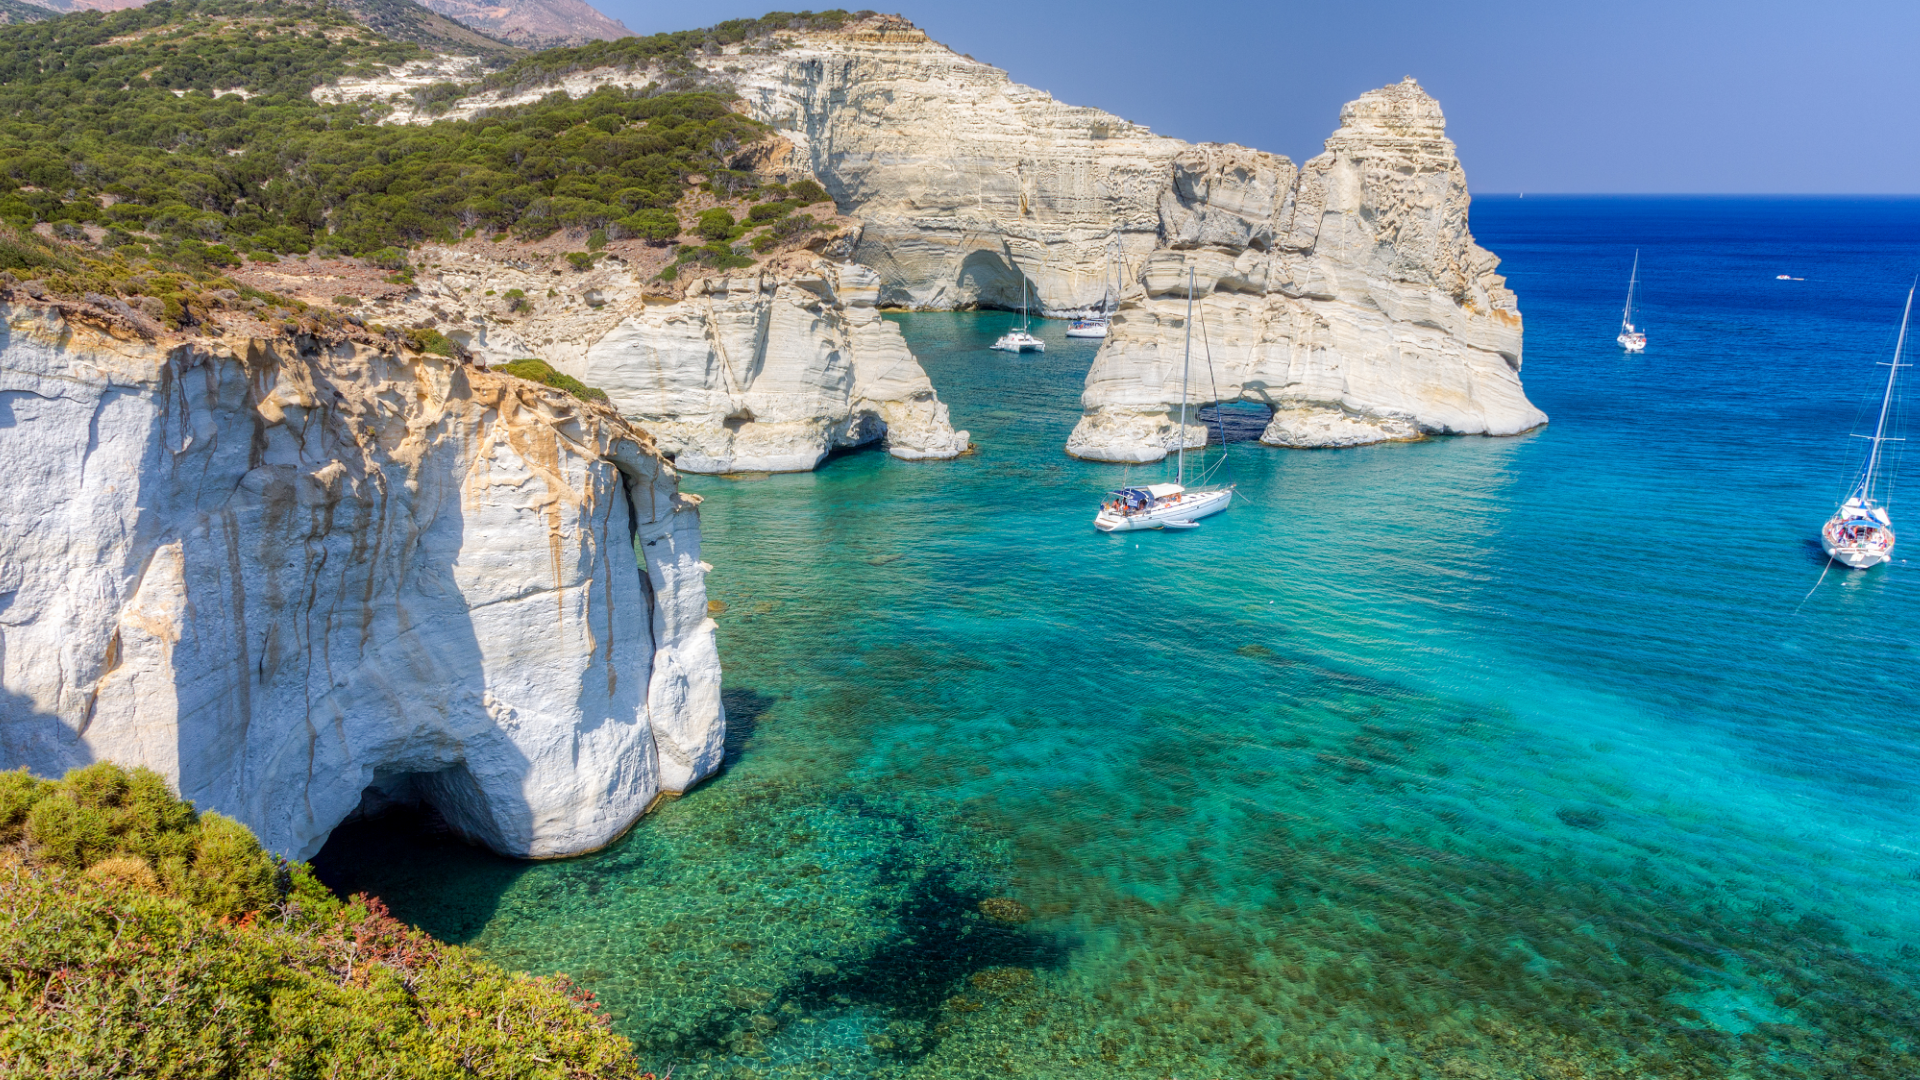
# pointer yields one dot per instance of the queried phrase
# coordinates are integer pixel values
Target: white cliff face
(1348, 296)
(767, 369)
(284, 572)
(759, 371)
(965, 182)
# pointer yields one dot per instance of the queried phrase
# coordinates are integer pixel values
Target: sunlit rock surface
(1348, 295)
(284, 571)
(766, 369)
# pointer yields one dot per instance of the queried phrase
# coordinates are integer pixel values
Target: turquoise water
(1464, 758)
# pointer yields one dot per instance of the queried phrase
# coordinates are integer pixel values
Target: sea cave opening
(399, 845)
(1235, 421)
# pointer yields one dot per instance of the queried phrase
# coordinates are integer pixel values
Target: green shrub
(715, 224)
(806, 192)
(596, 239)
(18, 791)
(769, 211)
(104, 812)
(581, 260)
(516, 299)
(653, 226)
(429, 340)
(535, 370)
(225, 963)
(789, 227)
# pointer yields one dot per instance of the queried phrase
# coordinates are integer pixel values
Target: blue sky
(1631, 96)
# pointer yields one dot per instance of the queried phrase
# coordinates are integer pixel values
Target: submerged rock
(294, 575)
(1005, 909)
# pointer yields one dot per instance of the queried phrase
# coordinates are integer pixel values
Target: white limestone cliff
(1347, 295)
(963, 180)
(768, 369)
(771, 372)
(289, 573)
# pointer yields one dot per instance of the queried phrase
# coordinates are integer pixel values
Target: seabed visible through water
(1428, 760)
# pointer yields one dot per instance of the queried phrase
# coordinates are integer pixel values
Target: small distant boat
(1860, 533)
(1018, 341)
(1095, 325)
(1788, 277)
(1167, 506)
(1632, 338)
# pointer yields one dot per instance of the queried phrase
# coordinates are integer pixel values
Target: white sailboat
(1860, 533)
(1632, 338)
(1020, 340)
(1095, 325)
(1167, 506)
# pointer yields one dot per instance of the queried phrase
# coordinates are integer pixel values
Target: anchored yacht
(1175, 505)
(1860, 533)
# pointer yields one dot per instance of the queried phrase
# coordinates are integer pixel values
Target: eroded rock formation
(767, 369)
(1347, 295)
(286, 572)
(762, 371)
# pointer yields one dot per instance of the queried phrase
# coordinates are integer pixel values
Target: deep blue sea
(1471, 757)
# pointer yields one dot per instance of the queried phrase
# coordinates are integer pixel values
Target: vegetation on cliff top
(672, 51)
(536, 370)
(132, 121)
(139, 937)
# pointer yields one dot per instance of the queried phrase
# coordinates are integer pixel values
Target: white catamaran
(1860, 533)
(1167, 506)
(1020, 340)
(1632, 338)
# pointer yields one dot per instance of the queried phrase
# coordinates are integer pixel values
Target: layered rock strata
(767, 372)
(1347, 295)
(291, 574)
(964, 181)
(768, 369)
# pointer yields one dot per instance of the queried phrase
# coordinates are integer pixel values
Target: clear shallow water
(1472, 757)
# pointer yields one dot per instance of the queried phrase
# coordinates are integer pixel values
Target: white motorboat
(1632, 338)
(1167, 506)
(1094, 326)
(1860, 533)
(1018, 341)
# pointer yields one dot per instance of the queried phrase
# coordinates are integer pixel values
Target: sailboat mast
(1626, 317)
(1185, 365)
(1880, 429)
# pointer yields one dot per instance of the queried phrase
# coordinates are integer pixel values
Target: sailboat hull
(1857, 543)
(1193, 506)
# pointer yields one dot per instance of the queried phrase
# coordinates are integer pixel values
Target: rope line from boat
(1816, 586)
(1213, 389)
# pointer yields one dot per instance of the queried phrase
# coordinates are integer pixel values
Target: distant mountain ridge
(534, 24)
(448, 25)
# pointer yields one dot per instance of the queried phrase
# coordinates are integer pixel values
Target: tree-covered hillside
(140, 938)
(192, 122)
